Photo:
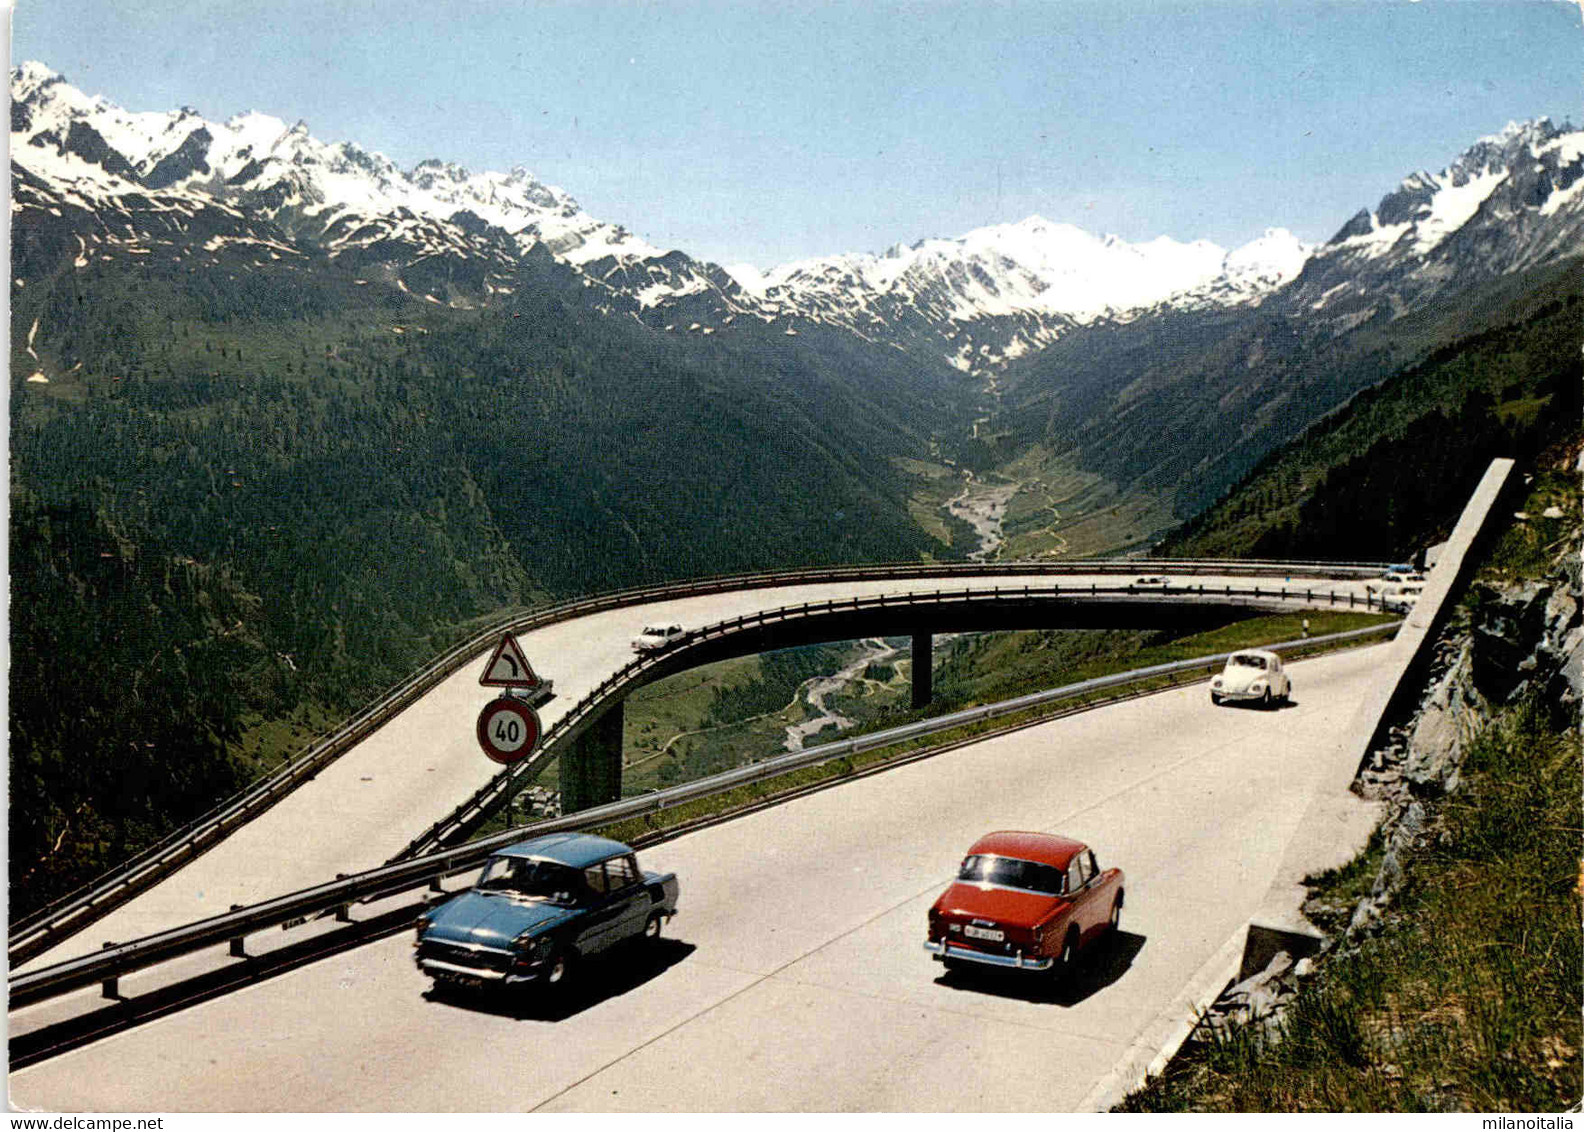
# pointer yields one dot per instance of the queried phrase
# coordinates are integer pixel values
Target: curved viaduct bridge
(589, 743)
(414, 757)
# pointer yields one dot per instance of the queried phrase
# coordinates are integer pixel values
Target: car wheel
(1068, 957)
(652, 927)
(1115, 924)
(1215, 699)
(558, 970)
(1265, 700)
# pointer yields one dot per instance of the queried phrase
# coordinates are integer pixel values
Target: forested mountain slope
(1388, 473)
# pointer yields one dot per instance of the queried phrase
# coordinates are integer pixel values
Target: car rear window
(1013, 873)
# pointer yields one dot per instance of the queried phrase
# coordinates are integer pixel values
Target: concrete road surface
(367, 805)
(794, 977)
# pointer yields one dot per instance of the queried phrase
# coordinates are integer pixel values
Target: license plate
(472, 982)
(984, 933)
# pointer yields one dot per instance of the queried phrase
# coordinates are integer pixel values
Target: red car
(1030, 901)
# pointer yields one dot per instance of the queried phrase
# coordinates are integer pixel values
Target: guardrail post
(236, 949)
(111, 987)
(343, 912)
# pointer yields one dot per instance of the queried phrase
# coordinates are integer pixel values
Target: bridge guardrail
(36, 932)
(401, 876)
(482, 803)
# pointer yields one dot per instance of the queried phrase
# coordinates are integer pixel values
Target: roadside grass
(1528, 547)
(1468, 999)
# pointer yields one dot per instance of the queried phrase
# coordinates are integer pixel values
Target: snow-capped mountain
(1034, 279)
(1512, 201)
(252, 189)
(338, 194)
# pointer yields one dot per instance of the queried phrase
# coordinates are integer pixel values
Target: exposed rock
(1445, 726)
(1507, 625)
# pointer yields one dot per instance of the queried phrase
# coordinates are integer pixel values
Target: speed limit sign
(508, 730)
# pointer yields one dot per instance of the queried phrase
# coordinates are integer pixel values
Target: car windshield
(1012, 873)
(1247, 660)
(536, 880)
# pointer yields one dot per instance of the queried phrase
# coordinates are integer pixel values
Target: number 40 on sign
(508, 730)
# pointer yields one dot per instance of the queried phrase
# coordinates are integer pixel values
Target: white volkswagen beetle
(1253, 674)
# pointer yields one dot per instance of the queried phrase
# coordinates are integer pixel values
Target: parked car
(1028, 901)
(653, 638)
(1150, 583)
(1254, 674)
(539, 908)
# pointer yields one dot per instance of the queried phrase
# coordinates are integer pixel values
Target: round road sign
(508, 730)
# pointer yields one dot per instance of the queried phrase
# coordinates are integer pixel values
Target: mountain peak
(31, 75)
(1539, 130)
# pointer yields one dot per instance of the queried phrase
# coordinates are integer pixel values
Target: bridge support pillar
(923, 669)
(591, 770)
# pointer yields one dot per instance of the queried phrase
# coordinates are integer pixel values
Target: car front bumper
(1243, 695)
(478, 976)
(944, 951)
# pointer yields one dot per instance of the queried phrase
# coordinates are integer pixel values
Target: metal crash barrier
(105, 967)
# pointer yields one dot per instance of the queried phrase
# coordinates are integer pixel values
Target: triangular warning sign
(508, 667)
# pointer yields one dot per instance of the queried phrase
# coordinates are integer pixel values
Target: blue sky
(764, 132)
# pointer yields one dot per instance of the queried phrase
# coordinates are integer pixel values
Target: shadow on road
(1102, 964)
(1255, 705)
(623, 969)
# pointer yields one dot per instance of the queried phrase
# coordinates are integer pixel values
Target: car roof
(1266, 653)
(1044, 848)
(579, 850)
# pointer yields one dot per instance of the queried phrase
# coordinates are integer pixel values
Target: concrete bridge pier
(591, 772)
(923, 669)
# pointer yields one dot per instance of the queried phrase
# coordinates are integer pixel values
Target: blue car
(538, 908)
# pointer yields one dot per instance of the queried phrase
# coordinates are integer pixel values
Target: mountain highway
(366, 806)
(794, 976)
